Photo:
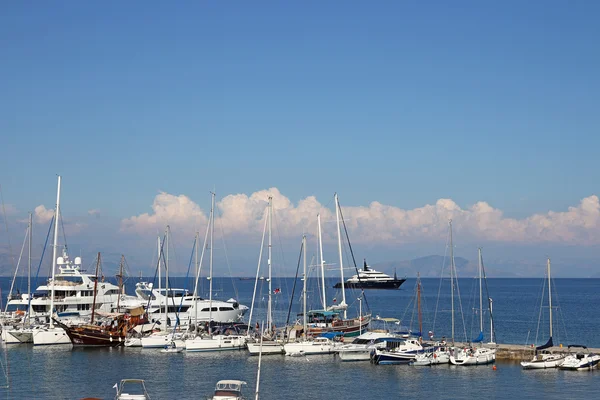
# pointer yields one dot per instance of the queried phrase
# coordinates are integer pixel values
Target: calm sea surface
(60, 372)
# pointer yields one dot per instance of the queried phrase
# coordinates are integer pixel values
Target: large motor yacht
(368, 278)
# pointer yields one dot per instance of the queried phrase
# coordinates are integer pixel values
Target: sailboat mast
(260, 253)
(196, 283)
(419, 304)
(452, 277)
(29, 271)
(54, 248)
(550, 297)
(95, 289)
(167, 232)
(304, 327)
(337, 217)
(120, 276)
(199, 270)
(269, 304)
(480, 294)
(324, 299)
(159, 279)
(212, 233)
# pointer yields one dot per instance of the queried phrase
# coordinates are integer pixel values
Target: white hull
(133, 342)
(480, 356)
(50, 336)
(435, 358)
(363, 354)
(160, 341)
(216, 343)
(309, 347)
(544, 361)
(22, 335)
(9, 338)
(267, 348)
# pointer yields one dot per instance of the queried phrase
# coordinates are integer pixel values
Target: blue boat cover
(546, 346)
(479, 338)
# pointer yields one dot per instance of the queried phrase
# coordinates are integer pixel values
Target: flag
(334, 299)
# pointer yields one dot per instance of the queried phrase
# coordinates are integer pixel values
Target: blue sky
(402, 103)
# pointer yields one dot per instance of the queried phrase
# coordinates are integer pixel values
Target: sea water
(63, 372)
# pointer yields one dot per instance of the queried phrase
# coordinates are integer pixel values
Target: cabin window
(225, 309)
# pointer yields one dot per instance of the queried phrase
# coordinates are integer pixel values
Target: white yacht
(360, 348)
(368, 278)
(181, 302)
(73, 291)
(582, 360)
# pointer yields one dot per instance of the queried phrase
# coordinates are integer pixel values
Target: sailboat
(307, 345)
(224, 338)
(477, 355)
(23, 333)
(52, 335)
(272, 345)
(111, 332)
(545, 359)
(334, 318)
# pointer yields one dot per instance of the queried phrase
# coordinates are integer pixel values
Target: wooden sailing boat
(109, 333)
(544, 359)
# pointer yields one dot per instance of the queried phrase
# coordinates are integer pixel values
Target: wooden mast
(95, 289)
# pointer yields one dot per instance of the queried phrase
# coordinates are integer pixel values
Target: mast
(54, 246)
(452, 277)
(196, 283)
(262, 244)
(159, 280)
(168, 230)
(29, 272)
(337, 217)
(491, 322)
(419, 305)
(480, 294)
(210, 273)
(259, 362)
(550, 297)
(269, 304)
(196, 297)
(120, 280)
(322, 261)
(95, 289)
(304, 327)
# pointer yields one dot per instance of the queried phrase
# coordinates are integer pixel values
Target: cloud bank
(241, 214)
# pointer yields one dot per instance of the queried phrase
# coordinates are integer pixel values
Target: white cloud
(376, 223)
(94, 212)
(42, 215)
(179, 211)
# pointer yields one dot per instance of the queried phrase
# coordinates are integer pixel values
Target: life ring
(20, 312)
(434, 355)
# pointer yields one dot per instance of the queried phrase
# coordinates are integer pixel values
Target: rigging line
(158, 259)
(287, 321)
(62, 223)
(352, 253)
(186, 278)
(12, 284)
(543, 295)
(281, 252)
(562, 319)
(460, 301)
(10, 252)
(43, 252)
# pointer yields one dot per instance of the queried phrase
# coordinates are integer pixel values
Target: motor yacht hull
(50, 336)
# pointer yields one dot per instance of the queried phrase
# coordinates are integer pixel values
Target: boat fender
(434, 355)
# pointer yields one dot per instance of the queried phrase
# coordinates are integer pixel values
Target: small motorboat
(582, 360)
(131, 389)
(229, 390)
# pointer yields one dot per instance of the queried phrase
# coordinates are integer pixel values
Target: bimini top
(230, 384)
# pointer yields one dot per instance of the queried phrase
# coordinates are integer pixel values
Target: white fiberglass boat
(582, 360)
(319, 345)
